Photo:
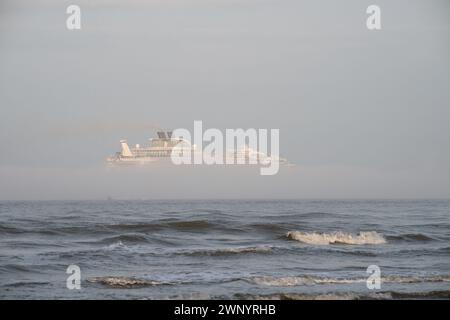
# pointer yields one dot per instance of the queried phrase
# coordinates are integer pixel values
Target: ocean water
(225, 249)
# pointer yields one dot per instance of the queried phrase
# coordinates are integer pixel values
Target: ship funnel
(161, 135)
(126, 152)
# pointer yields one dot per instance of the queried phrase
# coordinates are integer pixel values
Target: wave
(125, 238)
(437, 294)
(123, 282)
(319, 214)
(386, 295)
(411, 237)
(228, 251)
(367, 237)
(299, 281)
(416, 279)
(16, 230)
(13, 268)
(26, 284)
(322, 296)
(188, 225)
(312, 280)
(116, 245)
(270, 228)
(136, 227)
(95, 229)
(9, 230)
(8, 268)
(346, 252)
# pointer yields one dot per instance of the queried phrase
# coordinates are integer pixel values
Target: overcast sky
(362, 114)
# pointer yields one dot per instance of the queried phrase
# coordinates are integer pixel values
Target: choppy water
(225, 249)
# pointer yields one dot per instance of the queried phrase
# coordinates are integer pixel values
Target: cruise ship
(161, 148)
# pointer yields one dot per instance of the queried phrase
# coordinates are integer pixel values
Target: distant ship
(161, 148)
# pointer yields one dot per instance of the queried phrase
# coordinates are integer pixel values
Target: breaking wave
(298, 281)
(123, 282)
(125, 238)
(311, 280)
(116, 245)
(368, 237)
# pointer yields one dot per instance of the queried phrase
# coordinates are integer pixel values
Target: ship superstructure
(160, 147)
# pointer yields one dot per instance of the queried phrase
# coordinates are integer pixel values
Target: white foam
(338, 237)
(300, 281)
(115, 245)
(312, 280)
(123, 282)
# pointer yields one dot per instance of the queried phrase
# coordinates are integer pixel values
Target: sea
(225, 249)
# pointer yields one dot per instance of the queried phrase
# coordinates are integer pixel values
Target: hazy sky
(363, 114)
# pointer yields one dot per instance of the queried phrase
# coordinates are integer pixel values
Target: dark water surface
(225, 249)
